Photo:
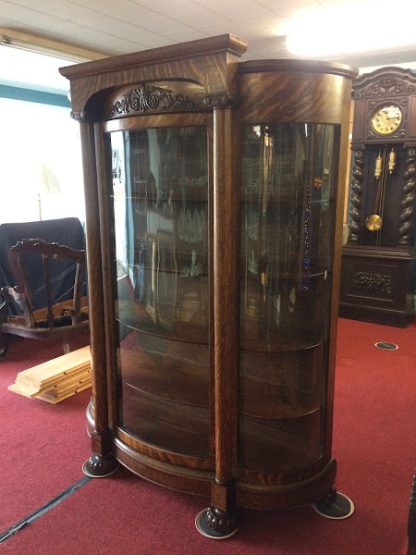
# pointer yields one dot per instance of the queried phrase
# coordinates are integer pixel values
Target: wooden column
(225, 279)
(101, 462)
(221, 515)
(335, 285)
(335, 504)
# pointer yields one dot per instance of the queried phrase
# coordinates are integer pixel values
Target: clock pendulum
(374, 221)
(384, 121)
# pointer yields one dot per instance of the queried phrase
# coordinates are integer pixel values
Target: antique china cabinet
(378, 262)
(214, 222)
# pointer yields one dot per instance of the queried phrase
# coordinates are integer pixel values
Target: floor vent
(386, 346)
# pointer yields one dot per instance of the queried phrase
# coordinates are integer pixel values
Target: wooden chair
(58, 318)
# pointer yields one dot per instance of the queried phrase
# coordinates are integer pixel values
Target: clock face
(386, 119)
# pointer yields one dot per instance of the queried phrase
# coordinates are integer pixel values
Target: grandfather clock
(378, 260)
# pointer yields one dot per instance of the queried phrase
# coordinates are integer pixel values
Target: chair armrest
(16, 294)
(3, 301)
(7, 295)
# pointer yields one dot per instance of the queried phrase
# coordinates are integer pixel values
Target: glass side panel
(289, 175)
(160, 199)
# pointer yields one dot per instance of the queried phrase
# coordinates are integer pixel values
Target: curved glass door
(289, 175)
(160, 200)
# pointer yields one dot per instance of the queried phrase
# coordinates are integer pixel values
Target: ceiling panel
(131, 25)
(121, 29)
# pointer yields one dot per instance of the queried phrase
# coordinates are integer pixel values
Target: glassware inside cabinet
(160, 200)
(288, 179)
(289, 175)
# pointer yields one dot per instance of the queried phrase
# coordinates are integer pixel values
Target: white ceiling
(122, 26)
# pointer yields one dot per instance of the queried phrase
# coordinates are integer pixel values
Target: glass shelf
(280, 445)
(289, 175)
(160, 202)
(173, 426)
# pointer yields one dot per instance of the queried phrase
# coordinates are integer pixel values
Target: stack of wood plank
(56, 379)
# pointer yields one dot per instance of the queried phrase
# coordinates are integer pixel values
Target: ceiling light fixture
(42, 45)
(333, 32)
(32, 62)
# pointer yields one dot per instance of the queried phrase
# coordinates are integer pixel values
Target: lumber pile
(55, 380)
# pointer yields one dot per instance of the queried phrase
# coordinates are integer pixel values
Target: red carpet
(42, 446)
(373, 442)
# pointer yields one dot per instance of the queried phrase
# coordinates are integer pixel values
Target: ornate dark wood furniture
(62, 318)
(213, 239)
(64, 231)
(378, 262)
(411, 521)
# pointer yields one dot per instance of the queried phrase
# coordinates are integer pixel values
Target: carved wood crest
(385, 82)
(164, 97)
(146, 97)
(373, 283)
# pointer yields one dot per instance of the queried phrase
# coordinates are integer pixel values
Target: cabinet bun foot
(99, 467)
(216, 524)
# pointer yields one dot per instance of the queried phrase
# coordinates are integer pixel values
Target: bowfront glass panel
(160, 200)
(289, 176)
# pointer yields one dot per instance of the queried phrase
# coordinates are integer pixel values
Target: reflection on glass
(160, 199)
(289, 177)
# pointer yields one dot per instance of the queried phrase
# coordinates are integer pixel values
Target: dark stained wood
(225, 270)
(172, 476)
(170, 407)
(336, 275)
(100, 437)
(360, 124)
(154, 120)
(157, 96)
(356, 193)
(201, 61)
(293, 66)
(411, 520)
(283, 478)
(172, 457)
(376, 285)
(155, 56)
(282, 496)
(378, 266)
(225, 275)
(411, 121)
(56, 319)
(408, 196)
(370, 90)
(304, 91)
(293, 97)
(102, 148)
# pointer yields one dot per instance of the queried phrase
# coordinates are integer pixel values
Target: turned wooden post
(221, 514)
(356, 194)
(408, 198)
(411, 523)
(101, 463)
